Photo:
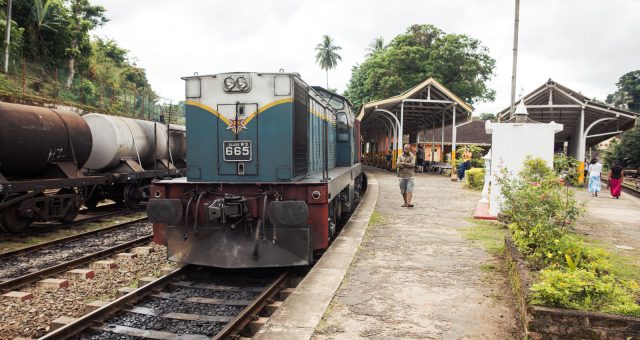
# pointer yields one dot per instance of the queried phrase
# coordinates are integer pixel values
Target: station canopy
(560, 104)
(422, 107)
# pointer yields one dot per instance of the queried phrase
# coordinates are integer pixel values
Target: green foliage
(628, 94)
(627, 151)
(52, 39)
(584, 289)
(457, 61)
(17, 36)
(487, 116)
(540, 211)
(474, 178)
(567, 168)
(476, 159)
(327, 56)
(376, 46)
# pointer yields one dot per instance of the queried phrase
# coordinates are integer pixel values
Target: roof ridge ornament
(521, 112)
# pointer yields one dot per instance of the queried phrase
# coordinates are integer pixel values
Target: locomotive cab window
(342, 127)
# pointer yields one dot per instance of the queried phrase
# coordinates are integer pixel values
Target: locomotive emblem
(236, 125)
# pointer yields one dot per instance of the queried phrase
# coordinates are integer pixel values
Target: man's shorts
(406, 185)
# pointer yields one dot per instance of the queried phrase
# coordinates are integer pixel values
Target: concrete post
(442, 139)
(454, 173)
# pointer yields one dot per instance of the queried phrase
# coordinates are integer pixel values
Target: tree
(627, 151)
(327, 56)
(628, 94)
(84, 17)
(376, 46)
(487, 116)
(457, 61)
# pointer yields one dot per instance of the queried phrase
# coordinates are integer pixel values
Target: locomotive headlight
(242, 84)
(229, 83)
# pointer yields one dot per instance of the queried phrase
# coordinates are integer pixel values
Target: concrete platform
(301, 312)
(410, 274)
(614, 223)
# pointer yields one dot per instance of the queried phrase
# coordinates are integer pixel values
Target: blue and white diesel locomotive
(272, 163)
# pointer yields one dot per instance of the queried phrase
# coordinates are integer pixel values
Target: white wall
(511, 144)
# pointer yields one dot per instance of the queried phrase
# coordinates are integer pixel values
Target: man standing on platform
(406, 166)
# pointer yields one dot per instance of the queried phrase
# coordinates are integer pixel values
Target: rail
(127, 302)
(69, 238)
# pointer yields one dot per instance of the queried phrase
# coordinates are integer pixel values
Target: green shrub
(583, 289)
(474, 178)
(540, 211)
(567, 168)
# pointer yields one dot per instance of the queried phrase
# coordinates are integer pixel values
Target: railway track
(27, 265)
(628, 186)
(189, 303)
(85, 216)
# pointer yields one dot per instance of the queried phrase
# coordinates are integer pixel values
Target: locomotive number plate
(237, 151)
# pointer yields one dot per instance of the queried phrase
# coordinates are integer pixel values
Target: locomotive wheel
(71, 215)
(10, 218)
(132, 196)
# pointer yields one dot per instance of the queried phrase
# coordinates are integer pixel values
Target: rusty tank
(32, 139)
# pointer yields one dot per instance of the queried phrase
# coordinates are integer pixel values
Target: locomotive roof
(196, 75)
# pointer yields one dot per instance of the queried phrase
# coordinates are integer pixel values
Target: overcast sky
(583, 44)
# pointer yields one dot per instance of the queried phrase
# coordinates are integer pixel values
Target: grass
(624, 263)
(490, 235)
(487, 267)
(376, 218)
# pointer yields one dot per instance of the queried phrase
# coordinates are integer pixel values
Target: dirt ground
(416, 276)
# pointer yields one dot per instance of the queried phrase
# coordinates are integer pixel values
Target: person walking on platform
(616, 176)
(420, 157)
(466, 163)
(595, 169)
(406, 167)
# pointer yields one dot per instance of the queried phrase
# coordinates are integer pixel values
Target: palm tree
(376, 46)
(327, 56)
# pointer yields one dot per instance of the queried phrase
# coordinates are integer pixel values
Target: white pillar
(401, 132)
(581, 140)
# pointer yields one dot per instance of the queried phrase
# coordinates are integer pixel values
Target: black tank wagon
(44, 151)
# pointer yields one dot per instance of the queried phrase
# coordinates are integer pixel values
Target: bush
(583, 289)
(567, 168)
(540, 210)
(474, 178)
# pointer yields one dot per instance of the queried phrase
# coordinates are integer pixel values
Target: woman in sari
(616, 175)
(595, 169)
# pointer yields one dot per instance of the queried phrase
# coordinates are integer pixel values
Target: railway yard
(153, 187)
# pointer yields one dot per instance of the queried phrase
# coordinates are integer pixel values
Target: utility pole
(515, 58)
(7, 37)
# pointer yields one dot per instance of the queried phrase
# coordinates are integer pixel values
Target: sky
(585, 45)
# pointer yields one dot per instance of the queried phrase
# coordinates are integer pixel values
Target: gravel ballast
(23, 264)
(31, 318)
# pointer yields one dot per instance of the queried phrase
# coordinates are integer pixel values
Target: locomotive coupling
(229, 207)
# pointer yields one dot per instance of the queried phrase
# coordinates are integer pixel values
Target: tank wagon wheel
(132, 196)
(10, 218)
(71, 215)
